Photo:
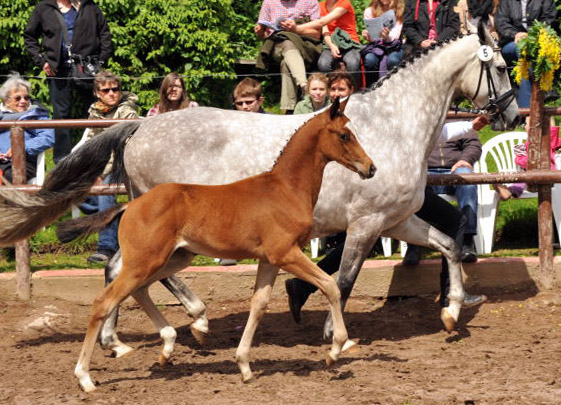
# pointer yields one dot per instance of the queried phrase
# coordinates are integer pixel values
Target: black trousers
(63, 94)
(437, 212)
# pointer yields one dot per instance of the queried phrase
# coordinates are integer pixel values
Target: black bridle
(497, 103)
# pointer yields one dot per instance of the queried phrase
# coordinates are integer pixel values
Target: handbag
(82, 68)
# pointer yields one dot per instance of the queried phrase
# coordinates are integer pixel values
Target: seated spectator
(427, 21)
(16, 106)
(342, 44)
(173, 96)
(340, 84)
(513, 19)
(316, 98)
(111, 103)
(475, 10)
(383, 54)
(521, 159)
(294, 52)
(457, 156)
(247, 96)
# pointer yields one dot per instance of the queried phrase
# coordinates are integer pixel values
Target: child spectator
(173, 96)
(383, 54)
(316, 98)
(521, 159)
(247, 96)
(340, 85)
(342, 44)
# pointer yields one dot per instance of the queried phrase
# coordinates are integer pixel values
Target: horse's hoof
(122, 351)
(329, 360)
(350, 347)
(448, 320)
(199, 335)
(247, 378)
(86, 384)
(163, 361)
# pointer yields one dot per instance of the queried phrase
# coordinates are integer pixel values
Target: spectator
(16, 106)
(247, 96)
(475, 10)
(89, 39)
(340, 85)
(294, 52)
(457, 156)
(342, 44)
(521, 159)
(316, 98)
(383, 54)
(513, 19)
(173, 96)
(435, 211)
(111, 103)
(428, 21)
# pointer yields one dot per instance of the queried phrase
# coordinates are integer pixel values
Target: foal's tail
(69, 183)
(74, 228)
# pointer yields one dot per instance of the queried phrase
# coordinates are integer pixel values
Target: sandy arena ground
(507, 351)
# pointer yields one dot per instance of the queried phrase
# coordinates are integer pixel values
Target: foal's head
(337, 142)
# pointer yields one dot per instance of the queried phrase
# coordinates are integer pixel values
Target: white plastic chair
(501, 150)
(39, 178)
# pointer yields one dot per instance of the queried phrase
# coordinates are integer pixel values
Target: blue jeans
(372, 65)
(327, 63)
(510, 55)
(108, 236)
(466, 196)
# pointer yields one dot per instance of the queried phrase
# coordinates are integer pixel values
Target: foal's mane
(405, 64)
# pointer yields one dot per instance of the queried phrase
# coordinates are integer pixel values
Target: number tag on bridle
(485, 53)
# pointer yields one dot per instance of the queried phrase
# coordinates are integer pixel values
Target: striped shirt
(275, 11)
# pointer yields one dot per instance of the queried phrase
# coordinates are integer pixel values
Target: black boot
(468, 250)
(298, 293)
(412, 256)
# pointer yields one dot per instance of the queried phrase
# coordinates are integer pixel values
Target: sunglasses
(245, 102)
(18, 98)
(113, 89)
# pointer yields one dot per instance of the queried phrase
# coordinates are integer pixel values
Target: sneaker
(468, 250)
(296, 298)
(412, 256)
(503, 191)
(227, 262)
(473, 300)
(101, 256)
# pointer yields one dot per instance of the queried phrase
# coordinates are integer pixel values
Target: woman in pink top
(341, 48)
(173, 96)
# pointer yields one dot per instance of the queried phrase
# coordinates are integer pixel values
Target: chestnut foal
(268, 217)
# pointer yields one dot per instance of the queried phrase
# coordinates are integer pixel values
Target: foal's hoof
(163, 361)
(448, 320)
(246, 379)
(330, 361)
(121, 350)
(199, 335)
(350, 347)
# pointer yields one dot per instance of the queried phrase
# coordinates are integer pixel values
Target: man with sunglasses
(247, 96)
(17, 106)
(112, 103)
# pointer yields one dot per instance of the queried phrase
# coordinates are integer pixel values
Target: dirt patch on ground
(506, 351)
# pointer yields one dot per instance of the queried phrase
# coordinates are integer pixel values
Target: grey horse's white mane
(406, 63)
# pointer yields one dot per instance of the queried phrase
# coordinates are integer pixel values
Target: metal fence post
(23, 268)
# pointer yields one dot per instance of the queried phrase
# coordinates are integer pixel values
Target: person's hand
(8, 155)
(259, 30)
(335, 52)
(519, 36)
(461, 163)
(385, 33)
(480, 122)
(47, 69)
(366, 35)
(427, 42)
(288, 25)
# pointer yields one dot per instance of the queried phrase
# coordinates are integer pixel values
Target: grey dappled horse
(397, 123)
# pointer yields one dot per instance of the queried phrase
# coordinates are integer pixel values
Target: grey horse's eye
(501, 69)
(344, 137)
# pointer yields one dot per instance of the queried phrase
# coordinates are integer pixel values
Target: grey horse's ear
(483, 33)
(334, 110)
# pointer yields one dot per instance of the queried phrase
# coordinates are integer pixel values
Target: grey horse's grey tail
(22, 214)
(84, 226)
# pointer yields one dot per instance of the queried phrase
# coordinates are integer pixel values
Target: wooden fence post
(23, 268)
